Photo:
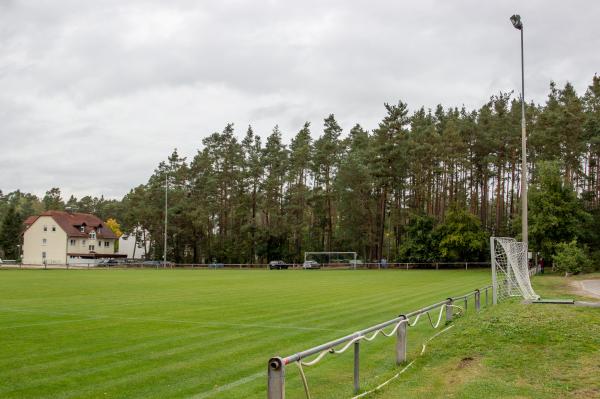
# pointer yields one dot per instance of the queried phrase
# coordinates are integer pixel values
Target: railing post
(276, 379)
(449, 309)
(466, 303)
(401, 341)
(477, 300)
(486, 296)
(356, 366)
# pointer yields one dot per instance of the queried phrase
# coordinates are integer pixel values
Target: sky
(94, 94)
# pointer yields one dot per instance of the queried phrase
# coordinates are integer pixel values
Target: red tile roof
(71, 223)
(30, 220)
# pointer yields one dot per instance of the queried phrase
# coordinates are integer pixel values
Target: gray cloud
(94, 94)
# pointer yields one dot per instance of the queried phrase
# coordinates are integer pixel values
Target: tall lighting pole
(518, 24)
(166, 196)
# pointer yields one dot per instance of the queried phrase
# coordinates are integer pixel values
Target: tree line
(432, 184)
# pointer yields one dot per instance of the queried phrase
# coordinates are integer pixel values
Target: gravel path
(591, 287)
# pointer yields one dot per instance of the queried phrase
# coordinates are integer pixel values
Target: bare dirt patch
(467, 369)
(465, 362)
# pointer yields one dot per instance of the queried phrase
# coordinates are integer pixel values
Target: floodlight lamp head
(516, 21)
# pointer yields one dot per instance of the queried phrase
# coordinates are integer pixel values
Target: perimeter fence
(398, 327)
(252, 266)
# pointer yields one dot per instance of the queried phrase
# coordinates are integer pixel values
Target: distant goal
(333, 259)
(510, 269)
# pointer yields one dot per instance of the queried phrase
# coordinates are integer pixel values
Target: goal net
(333, 259)
(510, 269)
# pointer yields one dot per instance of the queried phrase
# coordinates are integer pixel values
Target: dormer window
(82, 229)
(93, 235)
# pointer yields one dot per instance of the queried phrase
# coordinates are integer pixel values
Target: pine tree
(52, 200)
(10, 234)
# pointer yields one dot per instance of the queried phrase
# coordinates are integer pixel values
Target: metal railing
(277, 365)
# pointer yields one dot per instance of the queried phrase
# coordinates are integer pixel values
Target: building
(57, 237)
(136, 244)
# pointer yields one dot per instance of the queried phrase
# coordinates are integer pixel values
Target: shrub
(570, 258)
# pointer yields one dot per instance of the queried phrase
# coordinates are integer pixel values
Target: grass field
(200, 334)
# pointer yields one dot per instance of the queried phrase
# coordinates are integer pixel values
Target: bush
(595, 260)
(570, 258)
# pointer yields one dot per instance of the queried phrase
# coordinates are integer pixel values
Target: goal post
(332, 257)
(510, 269)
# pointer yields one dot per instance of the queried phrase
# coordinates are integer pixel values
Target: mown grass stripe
(180, 333)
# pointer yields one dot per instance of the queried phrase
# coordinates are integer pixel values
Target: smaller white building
(60, 238)
(136, 244)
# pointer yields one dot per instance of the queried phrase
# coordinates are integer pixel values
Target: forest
(424, 185)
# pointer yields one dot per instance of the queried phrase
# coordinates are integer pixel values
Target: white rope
(317, 359)
(436, 325)
(383, 384)
(334, 351)
(378, 387)
(459, 308)
(345, 347)
(304, 382)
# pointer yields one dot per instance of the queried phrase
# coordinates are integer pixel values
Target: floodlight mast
(166, 210)
(518, 24)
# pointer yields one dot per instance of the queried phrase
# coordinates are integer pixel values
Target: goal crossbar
(330, 253)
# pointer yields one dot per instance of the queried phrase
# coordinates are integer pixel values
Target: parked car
(108, 262)
(153, 263)
(311, 264)
(278, 264)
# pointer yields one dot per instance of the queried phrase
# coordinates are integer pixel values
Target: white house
(136, 244)
(57, 237)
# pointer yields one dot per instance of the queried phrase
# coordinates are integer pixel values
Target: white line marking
(229, 386)
(49, 322)
(203, 323)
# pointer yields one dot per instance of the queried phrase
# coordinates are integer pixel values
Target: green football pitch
(201, 333)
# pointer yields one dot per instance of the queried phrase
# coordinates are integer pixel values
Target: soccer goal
(510, 269)
(332, 259)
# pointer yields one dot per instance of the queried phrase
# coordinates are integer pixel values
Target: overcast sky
(94, 94)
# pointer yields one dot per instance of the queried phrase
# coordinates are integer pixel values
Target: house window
(93, 235)
(43, 255)
(82, 229)
(106, 244)
(83, 242)
(45, 228)
(53, 228)
(44, 241)
(91, 247)
(72, 242)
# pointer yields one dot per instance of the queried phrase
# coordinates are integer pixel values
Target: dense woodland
(422, 186)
